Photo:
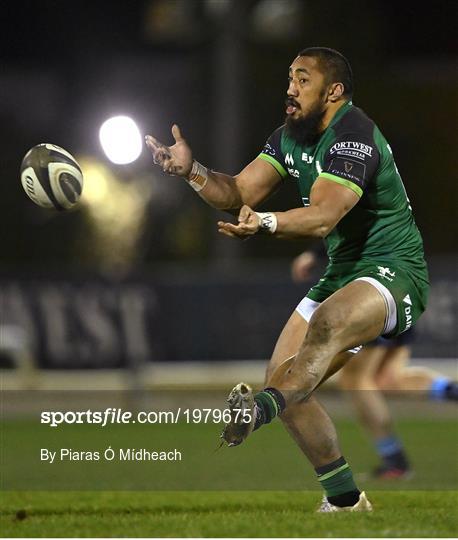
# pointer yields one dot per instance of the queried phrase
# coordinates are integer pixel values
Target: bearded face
(306, 100)
(304, 127)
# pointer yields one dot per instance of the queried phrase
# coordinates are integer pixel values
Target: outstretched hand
(249, 224)
(176, 159)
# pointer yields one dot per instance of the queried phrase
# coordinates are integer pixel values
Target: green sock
(270, 403)
(336, 478)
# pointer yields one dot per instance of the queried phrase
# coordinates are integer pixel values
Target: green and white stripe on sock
(336, 478)
(269, 404)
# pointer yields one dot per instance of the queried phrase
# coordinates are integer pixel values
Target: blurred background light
(114, 207)
(121, 140)
(274, 21)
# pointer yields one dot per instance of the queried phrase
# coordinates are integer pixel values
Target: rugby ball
(51, 177)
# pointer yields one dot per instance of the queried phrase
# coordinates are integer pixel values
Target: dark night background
(219, 69)
(66, 66)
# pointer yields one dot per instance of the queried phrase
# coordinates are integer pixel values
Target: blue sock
(392, 453)
(388, 446)
(438, 388)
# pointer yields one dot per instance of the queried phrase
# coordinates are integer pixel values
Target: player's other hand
(176, 159)
(248, 224)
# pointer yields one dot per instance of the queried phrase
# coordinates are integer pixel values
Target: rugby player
(377, 280)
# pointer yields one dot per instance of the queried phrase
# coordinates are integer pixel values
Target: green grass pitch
(426, 506)
(223, 514)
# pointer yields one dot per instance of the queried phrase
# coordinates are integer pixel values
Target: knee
(296, 384)
(312, 373)
(300, 378)
(324, 326)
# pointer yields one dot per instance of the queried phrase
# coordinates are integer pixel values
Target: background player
(353, 197)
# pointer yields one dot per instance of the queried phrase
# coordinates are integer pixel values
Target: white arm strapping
(198, 177)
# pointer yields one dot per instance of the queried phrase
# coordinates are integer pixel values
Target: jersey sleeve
(272, 152)
(352, 161)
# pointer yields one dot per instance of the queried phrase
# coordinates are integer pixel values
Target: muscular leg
(354, 314)
(306, 421)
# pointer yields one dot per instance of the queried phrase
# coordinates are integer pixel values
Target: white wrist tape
(267, 221)
(198, 177)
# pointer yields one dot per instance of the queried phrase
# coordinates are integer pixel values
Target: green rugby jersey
(353, 152)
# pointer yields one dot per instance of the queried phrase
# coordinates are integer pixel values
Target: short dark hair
(334, 65)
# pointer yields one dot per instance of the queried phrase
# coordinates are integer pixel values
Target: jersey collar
(343, 110)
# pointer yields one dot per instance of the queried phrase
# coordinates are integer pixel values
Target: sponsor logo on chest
(352, 148)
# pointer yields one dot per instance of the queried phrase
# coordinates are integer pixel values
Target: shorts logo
(408, 311)
(386, 273)
(407, 300)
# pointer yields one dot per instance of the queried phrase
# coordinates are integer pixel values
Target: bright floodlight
(121, 139)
